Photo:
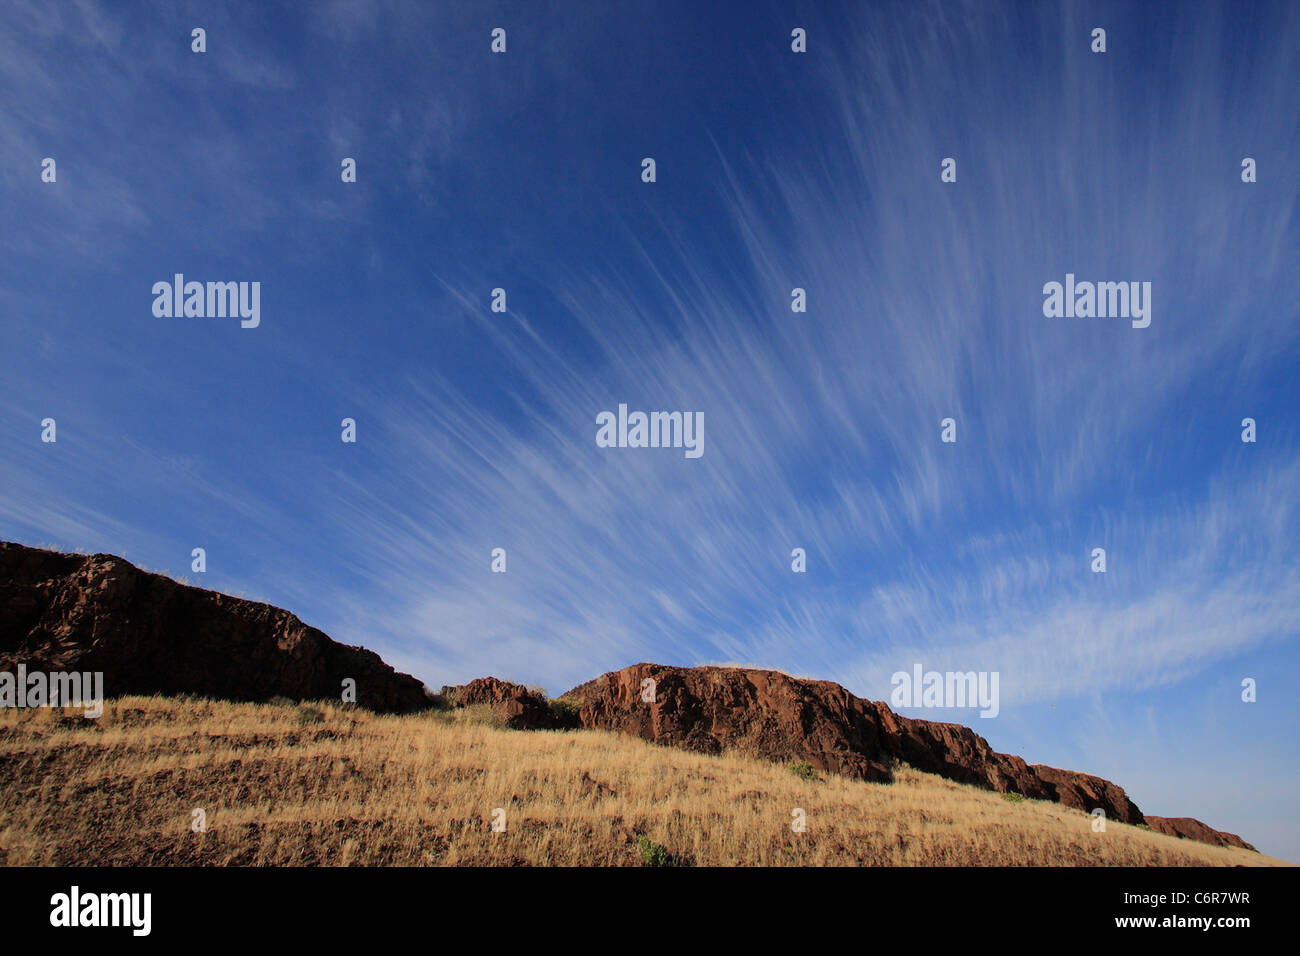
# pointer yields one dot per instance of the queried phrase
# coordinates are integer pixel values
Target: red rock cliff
(150, 634)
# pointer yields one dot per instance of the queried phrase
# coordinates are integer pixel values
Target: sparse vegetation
(310, 715)
(361, 789)
(480, 715)
(652, 853)
(1013, 797)
(438, 701)
(451, 695)
(804, 770)
(566, 708)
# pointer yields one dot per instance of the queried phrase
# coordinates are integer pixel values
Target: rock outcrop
(773, 716)
(1189, 829)
(515, 705)
(150, 634)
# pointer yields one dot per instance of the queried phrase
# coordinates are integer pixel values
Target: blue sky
(776, 170)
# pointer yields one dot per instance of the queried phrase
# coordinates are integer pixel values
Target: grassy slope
(289, 785)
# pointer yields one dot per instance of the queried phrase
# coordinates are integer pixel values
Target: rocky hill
(1186, 828)
(149, 634)
(320, 784)
(773, 716)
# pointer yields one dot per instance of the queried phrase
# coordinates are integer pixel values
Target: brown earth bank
(149, 634)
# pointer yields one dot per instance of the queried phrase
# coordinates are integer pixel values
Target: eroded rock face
(150, 634)
(1083, 791)
(761, 713)
(774, 716)
(1190, 829)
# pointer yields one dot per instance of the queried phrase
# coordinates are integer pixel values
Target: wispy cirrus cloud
(821, 428)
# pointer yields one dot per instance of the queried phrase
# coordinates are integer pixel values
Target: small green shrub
(1013, 797)
(652, 853)
(566, 708)
(804, 770)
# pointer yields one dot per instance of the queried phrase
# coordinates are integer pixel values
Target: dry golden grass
(327, 785)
